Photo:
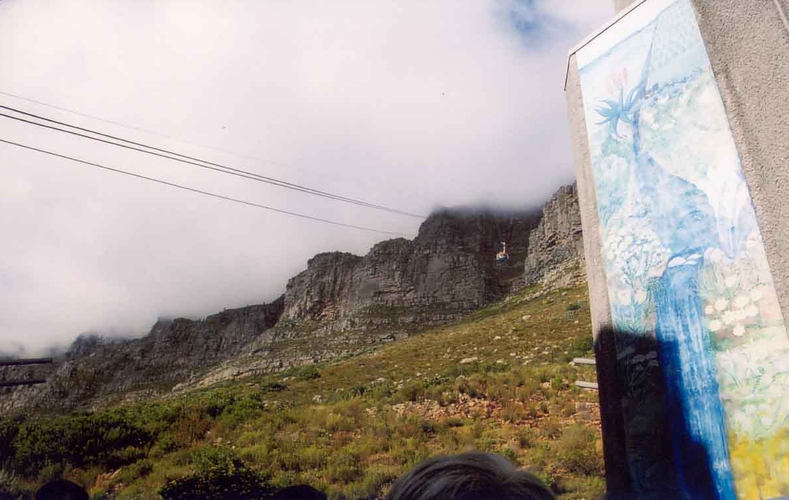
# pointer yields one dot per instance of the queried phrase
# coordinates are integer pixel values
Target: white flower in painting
(721, 304)
(731, 281)
(709, 310)
(756, 295)
(641, 296)
(742, 300)
(739, 331)
(740, 314)
(714, 255)
(729, 317)
(677, 261)
(715, 325)
(752, 311)
(776, 390)
(623, 297)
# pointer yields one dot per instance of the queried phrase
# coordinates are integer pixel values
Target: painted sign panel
(704, 354)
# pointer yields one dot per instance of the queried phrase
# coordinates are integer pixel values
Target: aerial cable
(200, 191)
(140, 129)
(194, 161)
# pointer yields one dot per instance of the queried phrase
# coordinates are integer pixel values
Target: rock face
(100, 369)
(340, 304)
(448, 270)
(556, 250)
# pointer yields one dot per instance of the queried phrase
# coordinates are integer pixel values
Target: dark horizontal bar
(16, 383)
(30, 361)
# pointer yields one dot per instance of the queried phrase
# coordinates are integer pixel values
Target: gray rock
(556, 253)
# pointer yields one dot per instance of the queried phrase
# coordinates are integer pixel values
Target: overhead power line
(198, 191)
(140, 129)
(198, 162)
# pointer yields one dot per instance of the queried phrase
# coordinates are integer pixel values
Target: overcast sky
(408, 104)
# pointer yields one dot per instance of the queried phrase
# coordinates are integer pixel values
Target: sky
(410, 105)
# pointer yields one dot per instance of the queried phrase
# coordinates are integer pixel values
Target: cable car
(503, 255)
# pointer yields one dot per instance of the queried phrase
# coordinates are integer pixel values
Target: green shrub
(270, 386)
(411, 391)
(513, 412)
(558, 383)
(509, 454)
(138, 469)
(575, 451)
(218, 474)
(343, 467)
(236, 484)
(307, 372)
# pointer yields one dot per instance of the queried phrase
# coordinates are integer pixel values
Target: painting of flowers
(685, 263)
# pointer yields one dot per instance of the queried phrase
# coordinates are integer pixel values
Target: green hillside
(500, 381)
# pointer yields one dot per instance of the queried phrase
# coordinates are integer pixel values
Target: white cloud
(407, 104)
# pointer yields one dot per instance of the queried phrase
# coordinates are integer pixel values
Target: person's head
(469, 476)
(61, 490)
(300, 492)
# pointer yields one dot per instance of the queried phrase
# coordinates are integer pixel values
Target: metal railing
(581, 383)
(24, 362)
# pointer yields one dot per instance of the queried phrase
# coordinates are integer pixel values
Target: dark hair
(300, 492)
(468, 476)
(61, 490)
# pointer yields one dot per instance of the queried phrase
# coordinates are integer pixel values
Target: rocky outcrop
(556, 250)
(448, 270)
(97, 369)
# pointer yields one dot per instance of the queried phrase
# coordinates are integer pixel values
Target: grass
(351, 427)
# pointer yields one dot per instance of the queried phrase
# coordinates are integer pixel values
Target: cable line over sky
(146, 131)
(162, 153)
(198, 191)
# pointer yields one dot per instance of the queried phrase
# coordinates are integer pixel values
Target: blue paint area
(696, 418)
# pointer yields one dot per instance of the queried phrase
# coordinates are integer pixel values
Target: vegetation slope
(500, 380)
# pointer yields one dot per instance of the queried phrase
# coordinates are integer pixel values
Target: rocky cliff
(97, 369)
(448, 270)
(556, 247)
(340, 304)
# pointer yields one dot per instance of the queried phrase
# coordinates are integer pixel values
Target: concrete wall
(612, 418)
(748, 47)
(587, 200)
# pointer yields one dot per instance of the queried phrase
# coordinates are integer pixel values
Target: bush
(509, 454)
(411, 391)
(210, 459)
(513, 412)
(558, 383)
(343, 467)
(218, 474)
(237, 484)
(138, 469)
(575, 451)
(307, 372)
(269, 386)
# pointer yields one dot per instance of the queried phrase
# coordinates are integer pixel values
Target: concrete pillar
(747, 44)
